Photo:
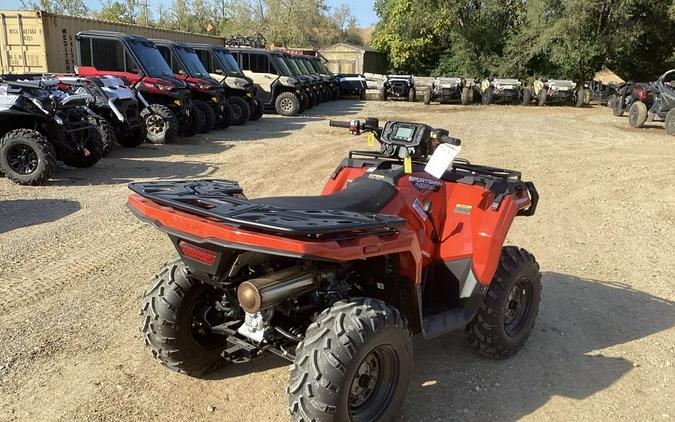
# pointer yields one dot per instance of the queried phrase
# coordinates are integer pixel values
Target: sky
(362, 9)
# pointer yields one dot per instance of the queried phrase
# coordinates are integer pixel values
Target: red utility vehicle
(208, 96)
(336, 283)
(140, 64)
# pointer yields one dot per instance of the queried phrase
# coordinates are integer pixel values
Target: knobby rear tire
(335, 346)
(166, 318)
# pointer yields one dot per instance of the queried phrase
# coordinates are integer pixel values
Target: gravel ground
(74, 261)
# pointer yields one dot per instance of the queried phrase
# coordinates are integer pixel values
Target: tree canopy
(290, 23)
(523, 38)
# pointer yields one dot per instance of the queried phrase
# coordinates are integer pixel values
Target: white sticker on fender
(442, 159)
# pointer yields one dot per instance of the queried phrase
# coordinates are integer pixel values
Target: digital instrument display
(403, 133)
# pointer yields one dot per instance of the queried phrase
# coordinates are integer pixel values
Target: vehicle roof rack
(255, 41)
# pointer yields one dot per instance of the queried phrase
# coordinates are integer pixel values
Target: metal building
(347, 58)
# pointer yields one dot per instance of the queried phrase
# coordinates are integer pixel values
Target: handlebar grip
(338, 123)
(450, 140)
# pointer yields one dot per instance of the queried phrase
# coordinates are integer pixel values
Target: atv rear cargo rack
(223, 201)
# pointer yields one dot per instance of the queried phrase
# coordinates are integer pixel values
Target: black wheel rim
(517, 307)
(203, 316)
(373, 384)
(22, 159)
(236, 111)
(155, 124)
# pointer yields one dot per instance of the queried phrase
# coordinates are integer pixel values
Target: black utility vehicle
(311, 83)
(446, 89)
(599, 92)
(39, 125)
(502, 90)
(352, 84)
(326, 74)
(140, 64)
(398, 87)
(239, 89)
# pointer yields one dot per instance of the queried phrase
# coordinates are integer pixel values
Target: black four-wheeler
(662, 107)
(39, 125)
(277, 89)
(446, 90)
(398, 87)
(137, 61)
(352, 84)
(631, 92)
(338, 283)
(117, 105)
(239, 89)
(500, 90)
(208, 95)
(554, 91)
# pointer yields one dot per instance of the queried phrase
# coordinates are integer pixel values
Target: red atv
(140, 64)
(336, 283)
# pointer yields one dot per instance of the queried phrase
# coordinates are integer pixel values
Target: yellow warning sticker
(407, 165)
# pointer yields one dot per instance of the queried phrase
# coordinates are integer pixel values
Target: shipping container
(34, 41)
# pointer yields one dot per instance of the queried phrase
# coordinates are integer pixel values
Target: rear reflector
(197, 253)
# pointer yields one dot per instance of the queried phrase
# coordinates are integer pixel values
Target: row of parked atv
(489, 91)
(646, 101)
(128, 90)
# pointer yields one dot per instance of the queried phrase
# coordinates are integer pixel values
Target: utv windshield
(291, 65)
(321, 67)
(151, 59)
(301, 66)
(281, 65)
(228, 63)
(308, 66)
(191, 61)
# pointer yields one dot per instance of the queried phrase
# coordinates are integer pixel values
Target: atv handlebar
(338, 123)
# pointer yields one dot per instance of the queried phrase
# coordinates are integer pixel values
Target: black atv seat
(362, 195)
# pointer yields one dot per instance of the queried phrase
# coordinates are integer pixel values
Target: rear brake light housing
(199, 254)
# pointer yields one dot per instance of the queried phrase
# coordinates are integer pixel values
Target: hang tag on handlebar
(407, 165)
(372, 142)
(442, 159)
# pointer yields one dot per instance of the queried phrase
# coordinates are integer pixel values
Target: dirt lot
(73, 262)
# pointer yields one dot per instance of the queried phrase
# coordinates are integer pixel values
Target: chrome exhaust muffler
(262, 293)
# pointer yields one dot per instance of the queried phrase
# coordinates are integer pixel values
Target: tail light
(203, 255)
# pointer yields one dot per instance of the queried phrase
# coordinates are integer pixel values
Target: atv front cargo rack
(223, 201)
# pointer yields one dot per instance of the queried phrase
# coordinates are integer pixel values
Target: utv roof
(163, 41)
(113, 34)
(206, 45)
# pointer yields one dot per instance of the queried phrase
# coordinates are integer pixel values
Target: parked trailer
(38, 42)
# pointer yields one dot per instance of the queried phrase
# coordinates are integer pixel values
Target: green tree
(65, 7)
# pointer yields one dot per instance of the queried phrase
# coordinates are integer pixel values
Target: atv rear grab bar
(534, 200)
